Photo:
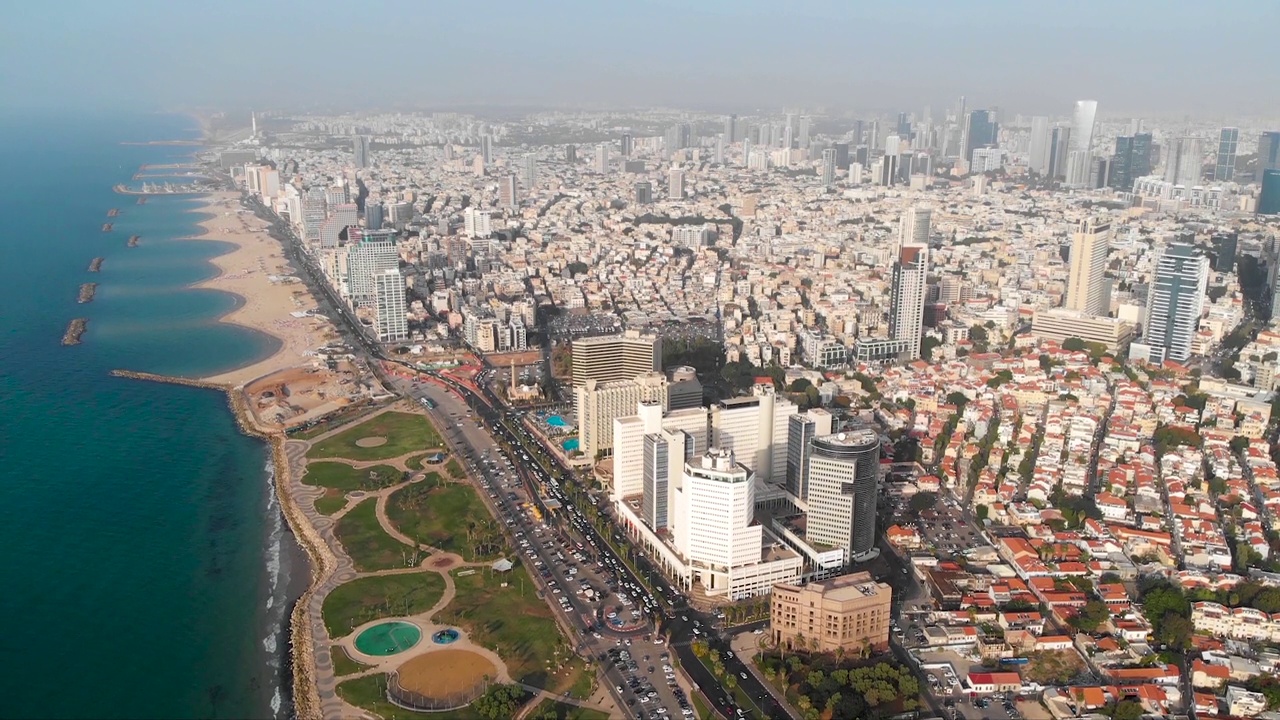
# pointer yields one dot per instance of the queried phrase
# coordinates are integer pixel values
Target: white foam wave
(277, 583)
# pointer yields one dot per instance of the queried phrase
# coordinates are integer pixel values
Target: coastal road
(564, 564)
(681, 624)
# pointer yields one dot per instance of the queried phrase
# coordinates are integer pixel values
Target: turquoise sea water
(145, 569)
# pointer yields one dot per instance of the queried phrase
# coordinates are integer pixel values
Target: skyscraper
(368, 258)
(1269, 198)
(1174, 302)
(913, 226)
(801, 428)
(1060, 143)
(730, 129)
(1184, 162)
(571, 154)
(675, 184)
(615, 357)
(1086, 285)
(843, 472)
(658, 458)
(508, 195)
(1224, 247)
(602, 159)
(1131, 161)
(1225, 169)
(360, 149)
(828, 167)
(486, 149)
(1082, 122)
(1268, 153)
(980, 131)
(644, 192)
(392, 323)
(1041, 145)
(906, 316)
(842, 156)
(628, 143)
(804, 131)
(530, 172)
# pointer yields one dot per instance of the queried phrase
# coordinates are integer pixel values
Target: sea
(145, 568)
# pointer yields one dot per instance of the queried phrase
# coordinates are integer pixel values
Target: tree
(500, 701)
(1093, 614)
(927, 345)
(799, 385)
(957, 399)
(1127, 710)
(982, 512)
(1239, 444)
(922, 501)
(1073, 344)
(979, 337)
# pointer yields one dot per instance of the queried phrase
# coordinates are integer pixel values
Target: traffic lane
(478, 442)
(684, 624)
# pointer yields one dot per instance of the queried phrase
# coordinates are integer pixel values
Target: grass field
(344, 478)
(364, 599)
(343, 664)
(513, 622)
(564, 711)
(449, 516)
(404, 432)
(331, 502)
(368, 545)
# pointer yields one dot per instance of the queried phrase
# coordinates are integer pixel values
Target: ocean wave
(277, 584)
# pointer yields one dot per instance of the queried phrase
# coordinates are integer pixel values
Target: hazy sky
(1205, 58)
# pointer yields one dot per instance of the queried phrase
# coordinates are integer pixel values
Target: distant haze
(1205, 59)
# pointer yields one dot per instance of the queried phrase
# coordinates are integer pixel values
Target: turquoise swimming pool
(570, 445)
(556, 421)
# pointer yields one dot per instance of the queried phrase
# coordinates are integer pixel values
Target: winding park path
(344, 570)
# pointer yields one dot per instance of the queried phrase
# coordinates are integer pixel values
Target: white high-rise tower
(1086, 286)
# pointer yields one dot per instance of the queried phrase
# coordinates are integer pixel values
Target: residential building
(906, 318)
(392, 322)
(1174, 303)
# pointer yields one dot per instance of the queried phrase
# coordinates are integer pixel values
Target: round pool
(570, 445)
(388, 638)
(556, 421)
(444, 637)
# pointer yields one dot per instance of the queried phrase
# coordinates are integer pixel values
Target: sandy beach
(255, 271)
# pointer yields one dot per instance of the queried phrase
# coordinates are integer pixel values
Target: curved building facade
(843, 476)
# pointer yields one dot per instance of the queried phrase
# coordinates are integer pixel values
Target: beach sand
(266, 305)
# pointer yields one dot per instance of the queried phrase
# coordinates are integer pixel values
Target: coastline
(265, 305)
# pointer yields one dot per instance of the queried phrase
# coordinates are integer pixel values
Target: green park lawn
(515, 623)
(449, 516)
(344, 478)
(405, 433)
(357, 602)
(331, 502)
(369, 546)
(342, 662)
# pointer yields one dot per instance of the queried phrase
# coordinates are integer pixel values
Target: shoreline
(244, 272)
(303, 689)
